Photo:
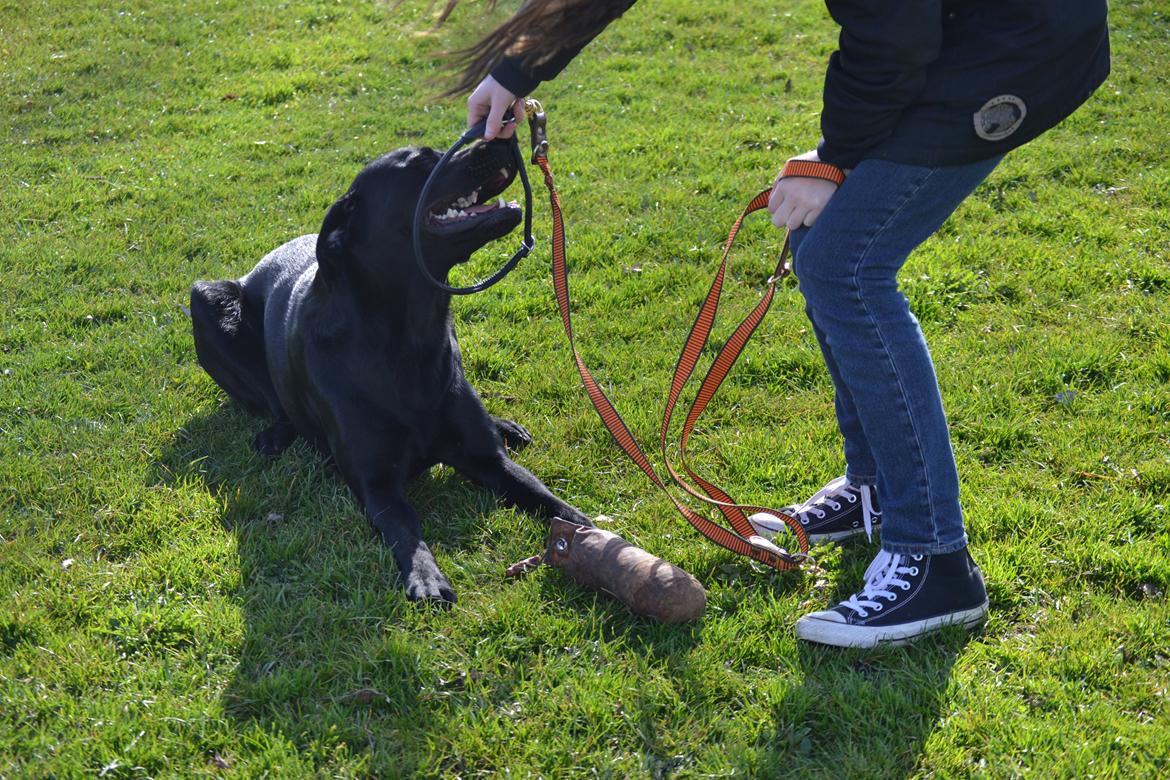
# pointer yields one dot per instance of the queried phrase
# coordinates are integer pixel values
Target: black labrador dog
(338, 338)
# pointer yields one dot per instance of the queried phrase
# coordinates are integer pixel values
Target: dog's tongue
(498, 203)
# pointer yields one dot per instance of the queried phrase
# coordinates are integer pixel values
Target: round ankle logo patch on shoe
(1000, 117)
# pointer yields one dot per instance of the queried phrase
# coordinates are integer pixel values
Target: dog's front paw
(431, 587)
(275, 439)
(515, 435)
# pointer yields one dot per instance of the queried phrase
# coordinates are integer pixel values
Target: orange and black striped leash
(742, 538)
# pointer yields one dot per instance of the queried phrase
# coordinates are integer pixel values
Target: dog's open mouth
(471, 210)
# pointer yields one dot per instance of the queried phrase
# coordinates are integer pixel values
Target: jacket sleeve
(520, 79)
(880, 67)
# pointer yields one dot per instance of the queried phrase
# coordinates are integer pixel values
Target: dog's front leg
(397, 522)
(475, 449)
(516, 485)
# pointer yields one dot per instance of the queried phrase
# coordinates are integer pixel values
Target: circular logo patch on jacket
(1000, 117)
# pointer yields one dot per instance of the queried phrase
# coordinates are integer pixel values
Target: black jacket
(936, 82)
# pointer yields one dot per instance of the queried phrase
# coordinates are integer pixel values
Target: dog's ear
(336, 230)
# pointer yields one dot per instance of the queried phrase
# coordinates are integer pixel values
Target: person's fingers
(797, 202)
(478, 104)
(475, 112)
(780, 216)
(517, 108)
(776, 199)
(508, 130)
(796, 217)
(495, 119)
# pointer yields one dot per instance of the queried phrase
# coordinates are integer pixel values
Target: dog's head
(371, 225)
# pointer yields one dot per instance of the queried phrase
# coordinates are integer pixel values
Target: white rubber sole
(827, 631)
(838, 536)
(768, 526)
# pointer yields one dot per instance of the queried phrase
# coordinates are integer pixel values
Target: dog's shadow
(331, 655)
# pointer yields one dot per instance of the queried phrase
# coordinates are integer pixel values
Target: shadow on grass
(334, 664)
(861, 713)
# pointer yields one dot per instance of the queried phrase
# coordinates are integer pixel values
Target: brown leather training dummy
(603, 561)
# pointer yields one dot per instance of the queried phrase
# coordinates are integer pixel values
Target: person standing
(922, 99)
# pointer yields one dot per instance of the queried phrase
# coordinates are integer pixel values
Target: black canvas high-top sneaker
(904, 597)
(837, 511)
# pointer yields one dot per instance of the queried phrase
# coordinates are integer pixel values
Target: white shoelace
(881, 578)
(840, 488)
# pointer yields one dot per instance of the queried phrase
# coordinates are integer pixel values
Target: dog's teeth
(504, 172)
(454, 212)
(466, 200)
(501, 202)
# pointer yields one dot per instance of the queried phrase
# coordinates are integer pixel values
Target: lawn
(172, 604)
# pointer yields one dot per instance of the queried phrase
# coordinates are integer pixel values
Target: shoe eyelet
(804, 521)
(836, 506)
(917, 557)
(913, 571)
(905, 586)
(852, 498)
(877, 608)
(863, 614)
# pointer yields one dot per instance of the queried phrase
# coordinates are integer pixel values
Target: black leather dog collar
(526, 245)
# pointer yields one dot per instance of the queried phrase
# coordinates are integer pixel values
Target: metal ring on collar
(526, 245)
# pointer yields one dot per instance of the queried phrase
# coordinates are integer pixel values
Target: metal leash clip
(762, 543)
(538, 127)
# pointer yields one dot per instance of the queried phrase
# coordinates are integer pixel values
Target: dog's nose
(485, 166)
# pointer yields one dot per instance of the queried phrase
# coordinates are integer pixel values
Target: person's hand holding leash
(490, 99)
(798, 200)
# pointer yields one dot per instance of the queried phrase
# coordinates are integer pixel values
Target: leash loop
(743, 539)
(527, 243)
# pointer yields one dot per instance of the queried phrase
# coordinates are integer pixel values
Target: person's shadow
(331, 656)
(859, 713)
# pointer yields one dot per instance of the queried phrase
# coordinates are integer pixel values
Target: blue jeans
(887, 400)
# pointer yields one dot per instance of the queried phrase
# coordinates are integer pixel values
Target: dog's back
(237, 324)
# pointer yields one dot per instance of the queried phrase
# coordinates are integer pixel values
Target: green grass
(172, 605)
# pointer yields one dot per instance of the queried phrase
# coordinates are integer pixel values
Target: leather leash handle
(420, 208)
(729, 354)
(720, 368)
(813, 169)
(743, 540)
